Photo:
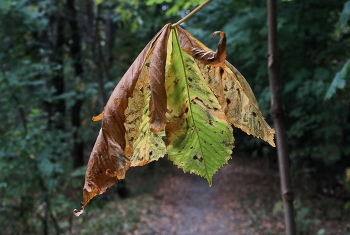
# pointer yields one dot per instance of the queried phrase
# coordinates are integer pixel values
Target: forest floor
(244, 199)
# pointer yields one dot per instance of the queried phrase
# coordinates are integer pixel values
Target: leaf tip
(98, 117)
(221, 34)
(77, 212)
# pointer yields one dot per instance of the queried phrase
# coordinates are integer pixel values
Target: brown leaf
(108, 161)
(205, 56)
(158, 100)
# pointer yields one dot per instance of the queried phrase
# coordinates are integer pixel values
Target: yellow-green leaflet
(145, 146)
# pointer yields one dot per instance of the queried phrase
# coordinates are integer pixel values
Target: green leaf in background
(98, 2)
(344, 17)
(177, 5)
(199, 138)
(339, 80)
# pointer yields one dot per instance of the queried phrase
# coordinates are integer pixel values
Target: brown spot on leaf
(221, 72)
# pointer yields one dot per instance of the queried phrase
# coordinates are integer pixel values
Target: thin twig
(191, 13)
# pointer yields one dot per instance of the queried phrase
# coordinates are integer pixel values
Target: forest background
(61, 59)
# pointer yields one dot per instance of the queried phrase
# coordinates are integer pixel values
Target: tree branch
(191, 13)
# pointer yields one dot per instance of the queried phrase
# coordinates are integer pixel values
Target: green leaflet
(144, 145)
(199, 138)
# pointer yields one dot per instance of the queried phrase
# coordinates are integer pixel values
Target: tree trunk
(279, 118)
(53, 39)
(76, 53)
(97, 58)
(56, 42)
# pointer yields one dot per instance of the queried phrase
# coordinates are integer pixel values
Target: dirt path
(165, 201)
(187, 205)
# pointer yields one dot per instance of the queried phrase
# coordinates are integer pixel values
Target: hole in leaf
(150, 153)
(195, 157)
(228, 101)
(254, 114)
(191, 147)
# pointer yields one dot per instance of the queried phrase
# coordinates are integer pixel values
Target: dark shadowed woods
(60, 61)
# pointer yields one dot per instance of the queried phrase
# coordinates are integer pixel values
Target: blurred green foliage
(313, 49)
(40, 87)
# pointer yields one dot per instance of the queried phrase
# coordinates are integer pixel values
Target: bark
(76, 54)
(53, 39)
(56, 37)
(97, 57)
(279, 118)
(110, 31)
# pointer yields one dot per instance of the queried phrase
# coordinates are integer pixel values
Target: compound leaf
(180, 89)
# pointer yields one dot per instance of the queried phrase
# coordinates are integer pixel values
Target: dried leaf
(205, 56)
(158, 96)
(177, 87)
(108, 162)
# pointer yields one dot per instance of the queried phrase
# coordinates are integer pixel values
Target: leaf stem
(191, 13)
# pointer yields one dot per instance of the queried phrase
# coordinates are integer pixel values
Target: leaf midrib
(189, 101)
